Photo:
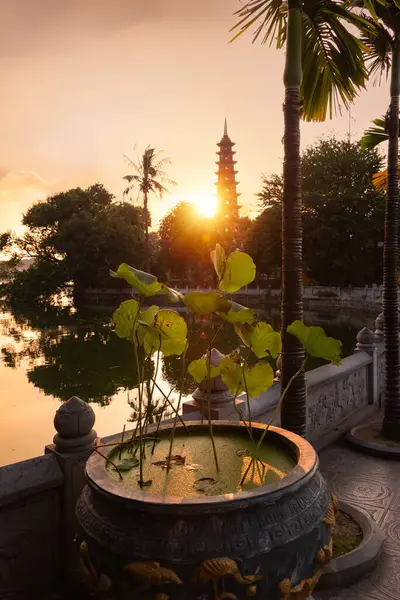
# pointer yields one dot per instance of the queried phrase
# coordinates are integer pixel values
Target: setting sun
(206, 204)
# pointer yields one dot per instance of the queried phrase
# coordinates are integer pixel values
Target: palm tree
(324, 68)
(148, 177)
(383, 41)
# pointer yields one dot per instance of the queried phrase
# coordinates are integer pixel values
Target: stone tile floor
(373, 485)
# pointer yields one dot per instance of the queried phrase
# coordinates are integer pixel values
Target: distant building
(227, 195)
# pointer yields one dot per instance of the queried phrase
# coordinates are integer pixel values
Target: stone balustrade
(38, 496)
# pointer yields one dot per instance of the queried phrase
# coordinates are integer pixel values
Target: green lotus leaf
(124, 318)
(146, 319)
(168, 333)
(232, 375)
(240, 270)
(144, 283)
(206, 303)
(261, 338)
(151, 340)
(259, 378)
(218, 258)
(316, 343)
(127, 464)
(198, 370)
(238, 314)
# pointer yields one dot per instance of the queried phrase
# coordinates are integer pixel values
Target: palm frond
(333, 59)
(158, 187)
(270, 18)
(380, 180)
(149, 175)
(374, 7)
(379, 42)
(131, 178)
(375, 135)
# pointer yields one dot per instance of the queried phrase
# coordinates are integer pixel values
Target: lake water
(48, 357)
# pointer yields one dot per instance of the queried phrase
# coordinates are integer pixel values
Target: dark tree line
(343, 217)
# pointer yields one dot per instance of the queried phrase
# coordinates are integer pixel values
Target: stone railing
(37, 508)
(38, 496)
(314, 297)
(337, 397)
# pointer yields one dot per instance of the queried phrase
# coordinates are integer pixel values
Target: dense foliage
(343, 216)
(73, 239)
(185, 242)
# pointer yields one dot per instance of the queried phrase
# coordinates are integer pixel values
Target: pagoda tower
(227, 195)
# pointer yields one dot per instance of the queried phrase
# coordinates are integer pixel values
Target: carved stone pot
(269, 543)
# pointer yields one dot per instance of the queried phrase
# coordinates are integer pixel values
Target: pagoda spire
(228, 207)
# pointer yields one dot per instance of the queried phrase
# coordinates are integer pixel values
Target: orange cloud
(18, 190)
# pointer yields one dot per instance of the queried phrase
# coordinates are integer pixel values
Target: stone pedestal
(72, 446)
(221, 398)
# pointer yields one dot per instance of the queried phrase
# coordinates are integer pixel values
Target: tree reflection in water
(66, 355)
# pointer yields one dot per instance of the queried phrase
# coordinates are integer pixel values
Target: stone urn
(269, 542)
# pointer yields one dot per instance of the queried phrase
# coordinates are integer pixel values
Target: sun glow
(206, 204)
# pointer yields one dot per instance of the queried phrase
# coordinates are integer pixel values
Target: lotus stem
(209, 407)
(281, 399)
(166, 398)
(109, 461)
(122, 442)
(159, 423)
(180, 393)
(247, 395)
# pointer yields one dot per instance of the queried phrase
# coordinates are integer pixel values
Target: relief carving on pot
(96, 583)
(142, 580)
(144, 576)
(259, 531)
(216, 570)
(304, 588)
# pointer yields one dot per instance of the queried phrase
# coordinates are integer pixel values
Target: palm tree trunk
(146, 226)
(293, 415)
(391, 422)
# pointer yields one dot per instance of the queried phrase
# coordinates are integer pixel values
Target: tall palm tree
(324, 68)
(148, 177)
(383, 41)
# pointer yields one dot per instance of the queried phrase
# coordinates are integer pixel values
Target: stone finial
(74, 422)
(379, 322)
(365, 337)
(219, 391)
(365, 340)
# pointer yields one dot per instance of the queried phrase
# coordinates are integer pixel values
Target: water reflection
(61, 354)
(68, 356)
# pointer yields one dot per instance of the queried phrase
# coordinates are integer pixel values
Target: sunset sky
(84, 81)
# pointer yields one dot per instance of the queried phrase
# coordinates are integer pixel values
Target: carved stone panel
(328, 405)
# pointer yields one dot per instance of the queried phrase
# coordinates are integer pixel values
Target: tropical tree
(186, 240)
(72, 237)
(383, 41)
(148, 177)
(324, 68)
(343, 215)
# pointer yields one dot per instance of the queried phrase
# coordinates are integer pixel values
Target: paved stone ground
(373, 485)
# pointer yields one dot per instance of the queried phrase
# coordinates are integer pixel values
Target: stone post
(221, 398)
(379, 336)
(72, 446)
(366, 343)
